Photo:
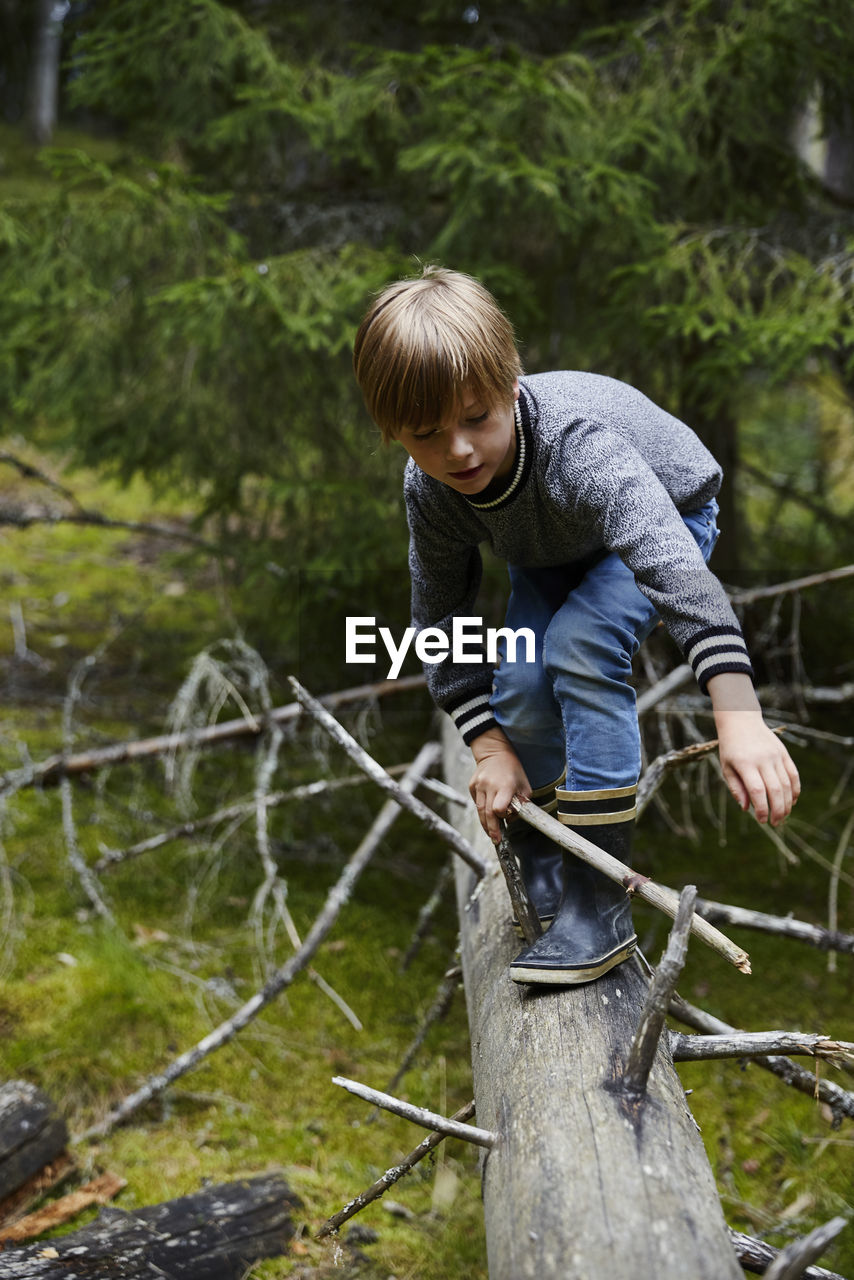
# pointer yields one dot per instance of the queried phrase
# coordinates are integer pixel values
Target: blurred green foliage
(622, 175)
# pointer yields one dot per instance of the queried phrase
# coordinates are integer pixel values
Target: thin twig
(655, 1006)
(359, 756)
(392, 1175)
(48, 772)
(240, 809)
(338, 895)
(418, 1115)
(657, 895)
(796, 584)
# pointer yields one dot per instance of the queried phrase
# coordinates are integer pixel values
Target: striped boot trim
(596, 808)
(597, 819)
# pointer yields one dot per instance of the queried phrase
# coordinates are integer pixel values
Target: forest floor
(89, 1010)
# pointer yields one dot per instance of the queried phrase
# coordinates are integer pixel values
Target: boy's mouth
(467, 475)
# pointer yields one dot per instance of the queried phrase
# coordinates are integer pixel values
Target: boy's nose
(457, 446)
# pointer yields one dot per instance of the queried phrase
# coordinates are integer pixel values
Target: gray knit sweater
(599, 467)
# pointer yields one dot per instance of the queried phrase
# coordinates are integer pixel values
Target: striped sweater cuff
(472, 714)
(716, 650)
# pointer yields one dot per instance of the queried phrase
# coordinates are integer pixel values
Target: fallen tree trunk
(32, 1133)
(584, 1180)
(215, 1234)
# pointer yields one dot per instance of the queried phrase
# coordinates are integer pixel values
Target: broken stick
(418, 1115)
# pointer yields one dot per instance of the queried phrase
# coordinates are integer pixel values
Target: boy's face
(469, 447)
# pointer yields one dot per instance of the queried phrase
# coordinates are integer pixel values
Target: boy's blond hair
(426, 340)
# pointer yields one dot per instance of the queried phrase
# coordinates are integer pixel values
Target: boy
(604, 507)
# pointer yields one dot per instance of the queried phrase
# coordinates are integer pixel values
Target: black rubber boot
(539, 858)
(592, 930)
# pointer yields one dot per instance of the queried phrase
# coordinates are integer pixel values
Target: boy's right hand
(498, 777)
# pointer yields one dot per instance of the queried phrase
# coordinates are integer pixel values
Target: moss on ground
(88, 1012)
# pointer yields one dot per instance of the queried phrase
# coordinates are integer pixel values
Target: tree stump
(583, 1182)
(32, 1133)
(215, 1234)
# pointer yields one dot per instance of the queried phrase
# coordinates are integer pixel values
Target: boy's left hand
(756, 766)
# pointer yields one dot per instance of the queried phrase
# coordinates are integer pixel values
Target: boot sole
(535, 975)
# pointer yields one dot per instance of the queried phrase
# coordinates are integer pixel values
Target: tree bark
(215, 1234)
(583, 1182)
(31, 1134)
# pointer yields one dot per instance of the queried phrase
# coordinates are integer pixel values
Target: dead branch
(337, 897)
(759, 1044)
(359, 756)
(840, 1101)
(48, 772)
(783, 926)
(790, 1262)
(392, 1175)
(654, 774)
(240, 809)
(656, 895)
(663, 688)
(796, 584)
(418, 1115)
(84, 515)
(756, 1255)
(29, 472)
(20, 520)
(655, 1006)
(438, 1010)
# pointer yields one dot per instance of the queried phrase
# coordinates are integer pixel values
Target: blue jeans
(574, 705)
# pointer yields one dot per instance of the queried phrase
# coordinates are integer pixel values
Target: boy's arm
(498, 777)
(757, 767)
